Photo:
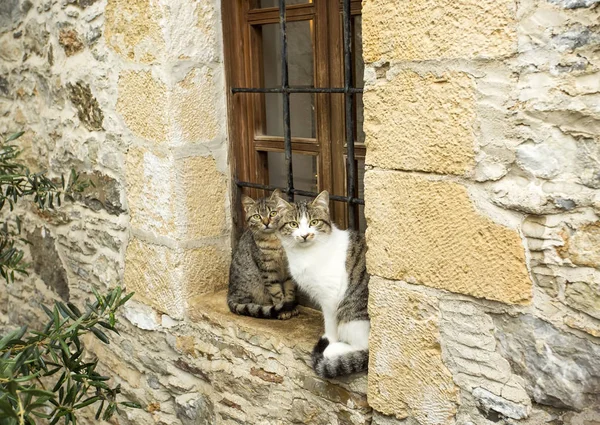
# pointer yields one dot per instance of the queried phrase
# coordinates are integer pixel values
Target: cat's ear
(276, 194)
(322, 201)
(247, 202)
(282, 205)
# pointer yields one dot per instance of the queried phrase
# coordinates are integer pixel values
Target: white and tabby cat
(259, 283)
(329, 265)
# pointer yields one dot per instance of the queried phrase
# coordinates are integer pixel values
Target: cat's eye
(256, 216)
(293, 224)
(314, 222)
(273, 213)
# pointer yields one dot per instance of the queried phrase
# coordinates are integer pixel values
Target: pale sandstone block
(195, 106)
(132, 29)
(406, 374)
(422, 29)
(143, 105)
(204, 192)
(421, 122)
(151, 182)
(429, 232)
(155, 274)
(166, 278)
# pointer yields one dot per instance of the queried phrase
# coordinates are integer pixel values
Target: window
(309, 108)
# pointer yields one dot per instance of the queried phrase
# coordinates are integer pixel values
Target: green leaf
(14, 136)
(99, 411)
(38, 392)
(41, 415)
(74, 309)
(87, 402)
(127, 298)
(59, 383)
(16, 334)
(66, 312)
(100, 335)
(131, 404)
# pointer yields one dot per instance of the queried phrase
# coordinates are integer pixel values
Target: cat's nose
(304, 236)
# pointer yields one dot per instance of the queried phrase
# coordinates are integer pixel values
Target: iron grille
(348, 90)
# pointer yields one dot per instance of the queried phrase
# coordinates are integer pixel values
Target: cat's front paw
(285, 315)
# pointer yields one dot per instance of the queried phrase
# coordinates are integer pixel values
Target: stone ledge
(259, 370)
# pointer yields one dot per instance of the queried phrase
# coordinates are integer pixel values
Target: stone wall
(482, 202)
(131, 94)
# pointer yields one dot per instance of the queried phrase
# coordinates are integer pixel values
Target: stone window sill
(260, 372)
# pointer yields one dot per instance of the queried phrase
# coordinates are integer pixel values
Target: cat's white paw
(337, 349)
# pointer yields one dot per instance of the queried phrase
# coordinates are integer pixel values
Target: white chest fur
(320, 268)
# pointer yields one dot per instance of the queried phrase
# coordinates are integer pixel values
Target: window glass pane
(305, 171)
(301, 73)
(300, 54)
(275, 3)
(302, 118)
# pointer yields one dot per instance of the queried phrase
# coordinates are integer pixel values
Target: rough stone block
(167, 278)
(155, 274)
(422, 29)
(204, 194)
(469, 351)
(46, 261)
(150, 186)
(132, 29)
(205, 269)
(195, 106)
(582, 245)
(143, 104)
(183, 199)
(584, 296)
(406, 374)
(429, 232)
(560, 369)
(421, 122)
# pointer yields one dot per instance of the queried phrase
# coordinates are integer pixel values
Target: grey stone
(588, 158)
(10, 13)
(82, 3)
(560, 369)
(565, 204)
(35, 38)
(575, 38)
(381, 419)
(538, 159)
(584, 296)
(490, 401)
(104, 194)
(194, 409)
(4, 86)
(574, 4)
(88, 109)
(47, 263)
(153, 382)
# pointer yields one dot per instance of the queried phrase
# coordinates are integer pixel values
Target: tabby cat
(259, 284)
(329, 265)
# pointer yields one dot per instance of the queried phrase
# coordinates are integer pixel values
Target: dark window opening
(296, 75)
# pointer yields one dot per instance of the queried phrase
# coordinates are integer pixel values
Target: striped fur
(329, 264)
(351, 362)
(259, 283)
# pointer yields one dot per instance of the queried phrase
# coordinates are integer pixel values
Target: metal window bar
(349, 91)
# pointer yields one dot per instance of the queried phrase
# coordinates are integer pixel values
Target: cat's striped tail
(260, 311)
(344, 364)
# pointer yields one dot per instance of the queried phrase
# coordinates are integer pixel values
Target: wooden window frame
(246, 111)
